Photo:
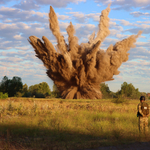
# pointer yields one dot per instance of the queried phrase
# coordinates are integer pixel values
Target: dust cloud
(77, 70)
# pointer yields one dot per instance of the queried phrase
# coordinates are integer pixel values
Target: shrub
(27, 94)
(39, 95)
(56, 94)
(18, 94)
(3, 96)
(119, 99)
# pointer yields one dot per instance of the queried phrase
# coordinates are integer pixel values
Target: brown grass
(28, 123)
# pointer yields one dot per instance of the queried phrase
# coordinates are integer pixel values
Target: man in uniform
(143, 113)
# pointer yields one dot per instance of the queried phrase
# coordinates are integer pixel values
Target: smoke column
(77, 70)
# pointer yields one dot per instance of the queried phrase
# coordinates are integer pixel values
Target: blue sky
(20, 19)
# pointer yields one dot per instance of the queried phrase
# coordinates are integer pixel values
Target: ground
(133, 146)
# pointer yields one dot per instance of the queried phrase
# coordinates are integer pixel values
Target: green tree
(4, 84)
(15, 85)
(11, 86)
(40, 90)
(25, 88)
(128, 90)
(25, 91)
(106, 93)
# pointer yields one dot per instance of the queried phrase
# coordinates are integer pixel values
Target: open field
(56, 124)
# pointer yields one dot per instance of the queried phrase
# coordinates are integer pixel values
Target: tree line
(15, 88)
(126, 91)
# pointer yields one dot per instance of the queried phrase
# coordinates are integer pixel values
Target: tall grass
(67, 124)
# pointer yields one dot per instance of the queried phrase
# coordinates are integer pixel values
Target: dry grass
(27, 123)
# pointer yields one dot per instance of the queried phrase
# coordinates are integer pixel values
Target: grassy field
(56, 124)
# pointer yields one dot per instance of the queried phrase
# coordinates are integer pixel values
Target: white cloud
(94, 16)
(57, 3)
(138, 14)
(83, 18)
(146, 22)
(141, 43)
(143, 2)
(27, 5)
(121, 36)
(17, 37)
(79, 17)
(11, 59)
(98, 5)
(63, 17)
(110, 40)
(126, 23)
(17, 15)
(7, 21)
(111, 23)
(143, 26)
(125, 4)
(6, 42)
(10, 26)
(68, 8)
(23, 48)
(63, 25)
(17, 24)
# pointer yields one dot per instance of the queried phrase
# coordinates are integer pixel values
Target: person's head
(142, 98)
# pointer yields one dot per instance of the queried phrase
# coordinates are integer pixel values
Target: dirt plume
(77, 70)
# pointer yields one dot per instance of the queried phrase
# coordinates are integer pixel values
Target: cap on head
(142, 98)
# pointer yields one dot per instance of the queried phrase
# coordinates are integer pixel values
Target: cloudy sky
(20, 19)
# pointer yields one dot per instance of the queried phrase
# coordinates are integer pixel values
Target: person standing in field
(143, 113)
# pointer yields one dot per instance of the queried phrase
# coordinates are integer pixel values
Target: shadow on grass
(22, 136)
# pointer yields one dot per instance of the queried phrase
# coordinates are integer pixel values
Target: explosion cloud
(77, 70)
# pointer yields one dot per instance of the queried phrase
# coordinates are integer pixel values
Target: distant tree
(56, 92)
(4, 84)
(25, 91)
(44, 88)
(55, 89)
(18, 94)
(128, 90)
(25, 88)
(11, 86)
(40, 90)
(15, 86)
(106, 93)
(32, 89)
